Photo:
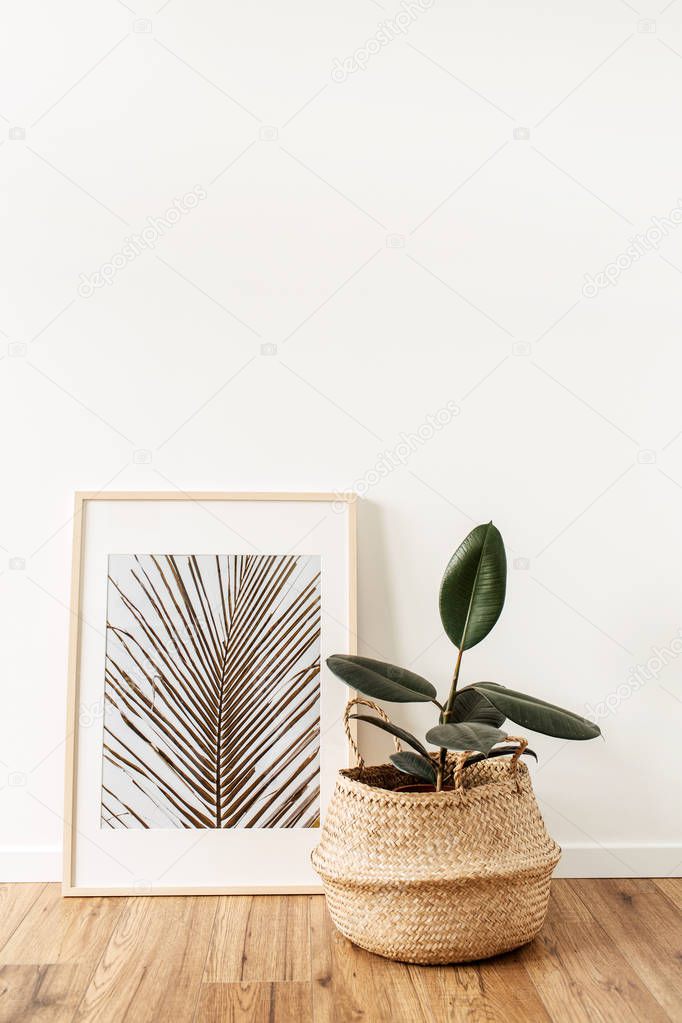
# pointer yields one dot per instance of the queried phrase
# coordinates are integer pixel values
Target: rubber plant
(472, 596)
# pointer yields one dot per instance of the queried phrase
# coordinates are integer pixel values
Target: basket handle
(358, 701)
(462, 757)
(460, 764)
(516, 756)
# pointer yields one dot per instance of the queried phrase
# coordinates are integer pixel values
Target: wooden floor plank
(152, 966)
(579, 972)
(351, 984)
(647, 927)
(507, 991)
(285, 1002)
(15, 902)
(58, 930)
(450, 993)
(671, 888)
(609, 953)
(41, 994)
(261, 938)
(494, 991)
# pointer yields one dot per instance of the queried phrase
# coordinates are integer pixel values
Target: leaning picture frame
(203, 737)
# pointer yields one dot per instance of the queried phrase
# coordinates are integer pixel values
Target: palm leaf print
(211, 690)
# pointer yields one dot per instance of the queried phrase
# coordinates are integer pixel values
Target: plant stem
(453, 688)
(444, 718)
(440, 770)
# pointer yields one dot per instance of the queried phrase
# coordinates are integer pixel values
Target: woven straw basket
(436, 877)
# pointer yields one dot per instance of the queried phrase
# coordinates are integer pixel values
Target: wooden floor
(610, 951)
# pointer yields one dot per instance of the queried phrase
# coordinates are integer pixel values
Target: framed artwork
(204, 731)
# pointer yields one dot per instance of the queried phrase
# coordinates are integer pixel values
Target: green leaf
(529, 712)
(388, 726)
(473, 587)
(380, 680)
(412, 763)
(465, 736)
(472, 706)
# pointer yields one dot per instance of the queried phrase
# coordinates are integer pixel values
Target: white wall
(402, 249)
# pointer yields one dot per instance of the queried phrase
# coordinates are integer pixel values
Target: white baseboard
(44, 863)
(589, 860)
(36, 863)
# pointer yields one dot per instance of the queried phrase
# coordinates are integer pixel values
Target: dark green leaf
(388, 726)
(473, 587)
(529, 712)
(465, 736)
(414, 764)
(472, 706)
(380, 680)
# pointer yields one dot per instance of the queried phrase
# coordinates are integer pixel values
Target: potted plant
(456, 865)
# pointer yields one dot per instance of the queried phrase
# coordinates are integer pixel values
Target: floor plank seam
(209, 943)
(22, 918)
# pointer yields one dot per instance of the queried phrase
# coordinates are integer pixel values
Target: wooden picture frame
(344, 504)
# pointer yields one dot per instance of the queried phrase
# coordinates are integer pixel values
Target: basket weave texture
(437, 877)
